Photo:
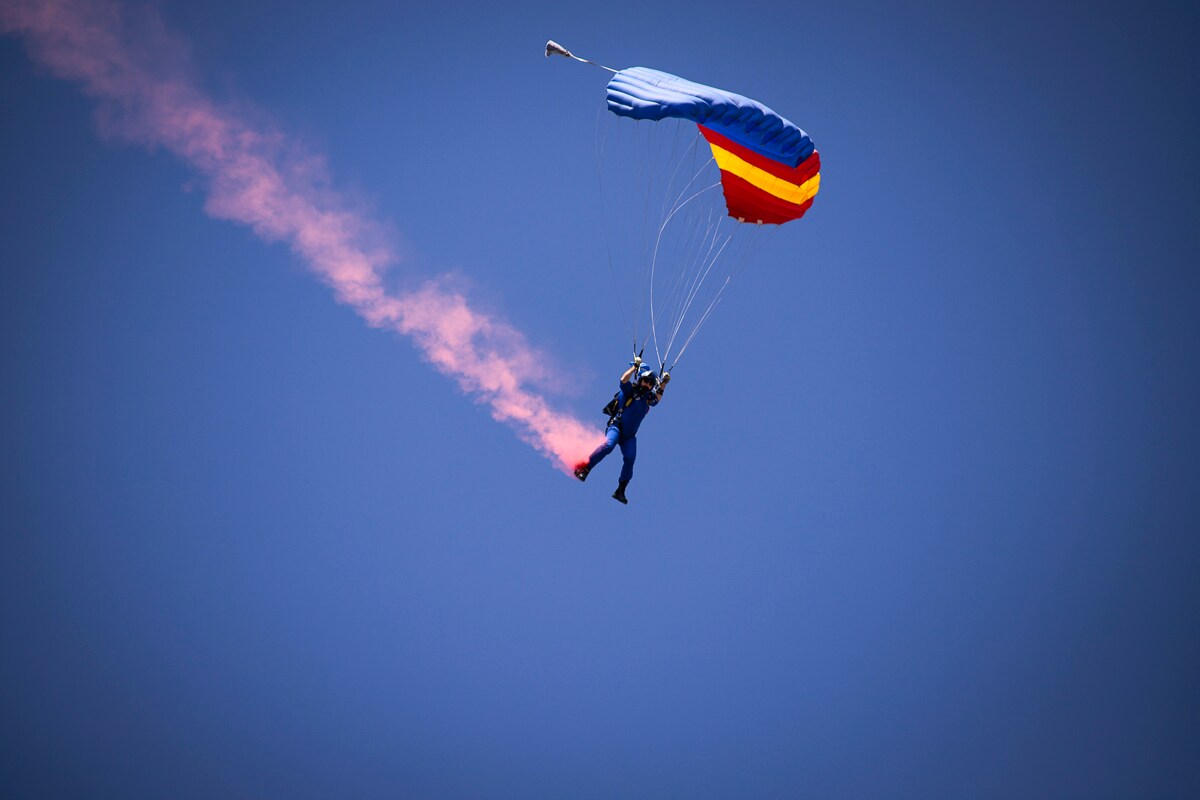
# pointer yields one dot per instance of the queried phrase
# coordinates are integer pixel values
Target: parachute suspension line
(678, 164)
(638, 142)
(698, 281)
(686, 274)
(707, 245)
(553, 48)
(691, 276)
(645, 166)
(669, 306)
(697, 259)
(653, 261)
(716, 239)
(753, 246)
(691, 221)
(601, 140)
(698, 231)
(654, 171)
(674, 291)
(702, 320)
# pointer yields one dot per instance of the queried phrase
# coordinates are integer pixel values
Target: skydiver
(630, 406)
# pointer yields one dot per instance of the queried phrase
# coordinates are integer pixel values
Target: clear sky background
(918, 517)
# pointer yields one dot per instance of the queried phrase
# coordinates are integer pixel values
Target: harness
(615, 406)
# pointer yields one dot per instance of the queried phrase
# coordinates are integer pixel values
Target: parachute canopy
(674, 241)
(770, 169)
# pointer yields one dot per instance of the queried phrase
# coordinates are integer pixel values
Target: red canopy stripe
(797, 174)
(748, 203)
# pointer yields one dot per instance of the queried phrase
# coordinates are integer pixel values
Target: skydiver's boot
(582, 471)
(619, 494)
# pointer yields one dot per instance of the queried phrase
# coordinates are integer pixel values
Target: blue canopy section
(643, 93)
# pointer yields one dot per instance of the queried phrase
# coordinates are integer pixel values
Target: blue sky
(916, 519)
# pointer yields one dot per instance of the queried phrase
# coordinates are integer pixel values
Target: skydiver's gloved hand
(666, 378)
(637, 361)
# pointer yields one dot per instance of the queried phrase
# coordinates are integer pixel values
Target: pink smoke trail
(132, 66)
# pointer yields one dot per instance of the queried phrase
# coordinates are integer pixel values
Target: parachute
(674, 241)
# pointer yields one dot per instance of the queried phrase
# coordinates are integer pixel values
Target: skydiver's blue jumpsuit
(634, 403)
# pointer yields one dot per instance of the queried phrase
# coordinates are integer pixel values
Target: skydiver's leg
(610, 441)
(629, 453)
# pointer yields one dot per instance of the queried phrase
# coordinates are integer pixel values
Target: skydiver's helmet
(650, 375)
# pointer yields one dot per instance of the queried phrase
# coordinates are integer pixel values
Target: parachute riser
(662, 365)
